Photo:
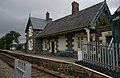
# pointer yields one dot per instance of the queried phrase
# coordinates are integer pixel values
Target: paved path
(65, 59)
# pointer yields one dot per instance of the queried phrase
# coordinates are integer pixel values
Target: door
(53, 47)
(108, 39)
(116, 31)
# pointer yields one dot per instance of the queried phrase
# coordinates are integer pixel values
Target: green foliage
(8, 39)
(19, 47)
(103, 20)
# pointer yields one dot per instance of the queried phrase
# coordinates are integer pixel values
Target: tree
(8, 39)
(2, 42)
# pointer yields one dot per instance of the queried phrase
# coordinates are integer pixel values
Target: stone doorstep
(54, 73)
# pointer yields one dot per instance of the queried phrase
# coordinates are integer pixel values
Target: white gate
(22, 69)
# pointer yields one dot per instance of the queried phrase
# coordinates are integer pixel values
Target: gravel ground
(39, 74)
(5, 70)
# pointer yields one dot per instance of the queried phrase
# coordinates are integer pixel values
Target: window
(46, 44)
(91, 40)
(30, 32)
(78, 42)
(81, 38)
(30, 44)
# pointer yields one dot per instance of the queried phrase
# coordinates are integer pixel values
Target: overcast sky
(14, 13)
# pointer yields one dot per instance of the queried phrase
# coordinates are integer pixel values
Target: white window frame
(30, 32)
(30, 44)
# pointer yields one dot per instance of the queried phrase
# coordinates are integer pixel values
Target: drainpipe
(88, 34)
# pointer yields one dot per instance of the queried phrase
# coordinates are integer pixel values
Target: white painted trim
(116, 18)
(88, 34)
(96, 16)
(30, 44)
(92, 70)
(30, 32)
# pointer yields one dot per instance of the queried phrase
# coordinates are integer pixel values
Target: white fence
(22, 69)
(106, 56)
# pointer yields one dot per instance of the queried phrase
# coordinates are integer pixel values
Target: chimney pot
(75, 7)
(48, 19)
(47, 16)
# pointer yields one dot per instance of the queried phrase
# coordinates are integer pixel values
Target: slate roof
(71, 22)
(118, 10)
(37, 23)
(116, 13)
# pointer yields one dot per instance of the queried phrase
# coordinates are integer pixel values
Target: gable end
(104, 7)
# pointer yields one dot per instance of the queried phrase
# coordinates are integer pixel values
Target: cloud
(14, 13)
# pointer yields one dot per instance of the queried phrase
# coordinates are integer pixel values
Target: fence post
(105, 54)
(15, 68)
(116, 51)
(113, 56)
(100, 55)
(80, 57)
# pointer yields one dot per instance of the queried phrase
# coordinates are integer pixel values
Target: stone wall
(60, 66)
(38, 46)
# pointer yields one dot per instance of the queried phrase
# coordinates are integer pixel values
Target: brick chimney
(47, 16)
(48, 19)
(75, 7)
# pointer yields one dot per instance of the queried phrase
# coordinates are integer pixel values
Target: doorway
(108, 39)
(53, 47)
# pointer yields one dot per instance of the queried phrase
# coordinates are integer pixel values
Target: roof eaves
(114, 15)
(118, 10)
(107, 9)
(27, 25)
(31, 22)
(65, 31)
(38, 29)
(92, 24)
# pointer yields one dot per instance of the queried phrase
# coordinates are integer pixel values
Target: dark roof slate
(118, 10)
(81, 19)
(37, 23)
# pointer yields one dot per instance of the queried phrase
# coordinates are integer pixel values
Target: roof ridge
(92, 6)
(79, 11)
(37, 18)
(103, 3)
